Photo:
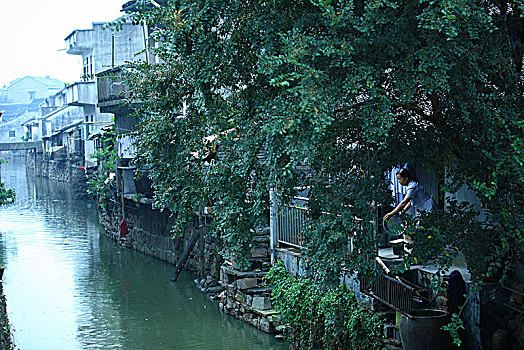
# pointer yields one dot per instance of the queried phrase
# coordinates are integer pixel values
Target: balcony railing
(112, 87)
(81, 93)
(79, 42)
(287, 221)
(390, 291)
(290, 221)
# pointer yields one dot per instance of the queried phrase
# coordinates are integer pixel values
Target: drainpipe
(113, 51)
(122, 196)
(146, 38)
(273, 239)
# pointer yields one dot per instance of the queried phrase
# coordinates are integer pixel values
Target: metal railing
(390, 291)
(290, 220)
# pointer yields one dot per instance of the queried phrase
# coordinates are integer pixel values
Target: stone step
(263, 313)
(243, 274)
(258, 290)
(261, 239)
(262, 231)
(268, 259)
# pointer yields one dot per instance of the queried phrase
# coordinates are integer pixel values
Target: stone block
(215, 289)
(246, 283)
(259, 252)
(240, 297)
(230, 289)
(265, 325)
(261, 303)
(225, 276)
(209, 279)
(248, 317)
(261, 239)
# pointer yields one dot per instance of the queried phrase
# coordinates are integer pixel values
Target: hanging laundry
(456, 291)
(123, 229)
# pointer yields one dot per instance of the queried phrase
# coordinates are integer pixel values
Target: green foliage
(100, 184)
(454, 328)
(320, 318)
(330, 96)
(7, 195)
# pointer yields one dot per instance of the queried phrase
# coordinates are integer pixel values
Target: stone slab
(261, 303)
(243, 274)
(246, 283)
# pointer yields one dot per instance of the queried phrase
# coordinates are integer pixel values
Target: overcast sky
(32, 34)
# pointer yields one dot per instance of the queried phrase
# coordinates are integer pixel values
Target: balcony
(113, 92)
(79, 42)
(81, 93)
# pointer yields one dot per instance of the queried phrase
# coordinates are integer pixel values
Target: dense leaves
(316, 318)
(7, 196)
(330, 95)
(99, 184)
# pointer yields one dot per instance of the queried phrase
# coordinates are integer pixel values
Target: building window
(85, 69)
(87, 128)
(12, 133)
(88, 68)
(32, 95)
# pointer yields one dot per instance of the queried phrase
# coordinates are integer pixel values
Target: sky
(32, 34)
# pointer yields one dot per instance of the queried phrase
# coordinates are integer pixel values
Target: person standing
(416, 196)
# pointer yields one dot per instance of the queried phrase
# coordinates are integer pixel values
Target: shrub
(320, 317)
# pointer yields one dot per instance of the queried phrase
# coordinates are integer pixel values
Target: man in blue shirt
(415, 197)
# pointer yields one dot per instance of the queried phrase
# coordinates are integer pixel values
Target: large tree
(331, 95)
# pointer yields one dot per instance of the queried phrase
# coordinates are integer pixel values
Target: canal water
(69, 287)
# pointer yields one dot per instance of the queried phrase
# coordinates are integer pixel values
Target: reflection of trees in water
(3, 251)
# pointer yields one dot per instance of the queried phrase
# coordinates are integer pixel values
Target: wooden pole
(181, 262)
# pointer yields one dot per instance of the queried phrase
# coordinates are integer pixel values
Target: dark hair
(405, 173)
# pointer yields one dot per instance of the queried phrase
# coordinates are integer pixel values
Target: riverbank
(5, 328)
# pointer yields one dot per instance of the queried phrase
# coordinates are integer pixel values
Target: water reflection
(69, 287)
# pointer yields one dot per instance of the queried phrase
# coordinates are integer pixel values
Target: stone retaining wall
(246, 297)
(150, 233)
(65, 170)
(5, 330)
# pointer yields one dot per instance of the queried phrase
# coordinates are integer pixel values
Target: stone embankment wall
(65, 170)
(246, 297)
(150, 233)
(240, 291)
(5, 331)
